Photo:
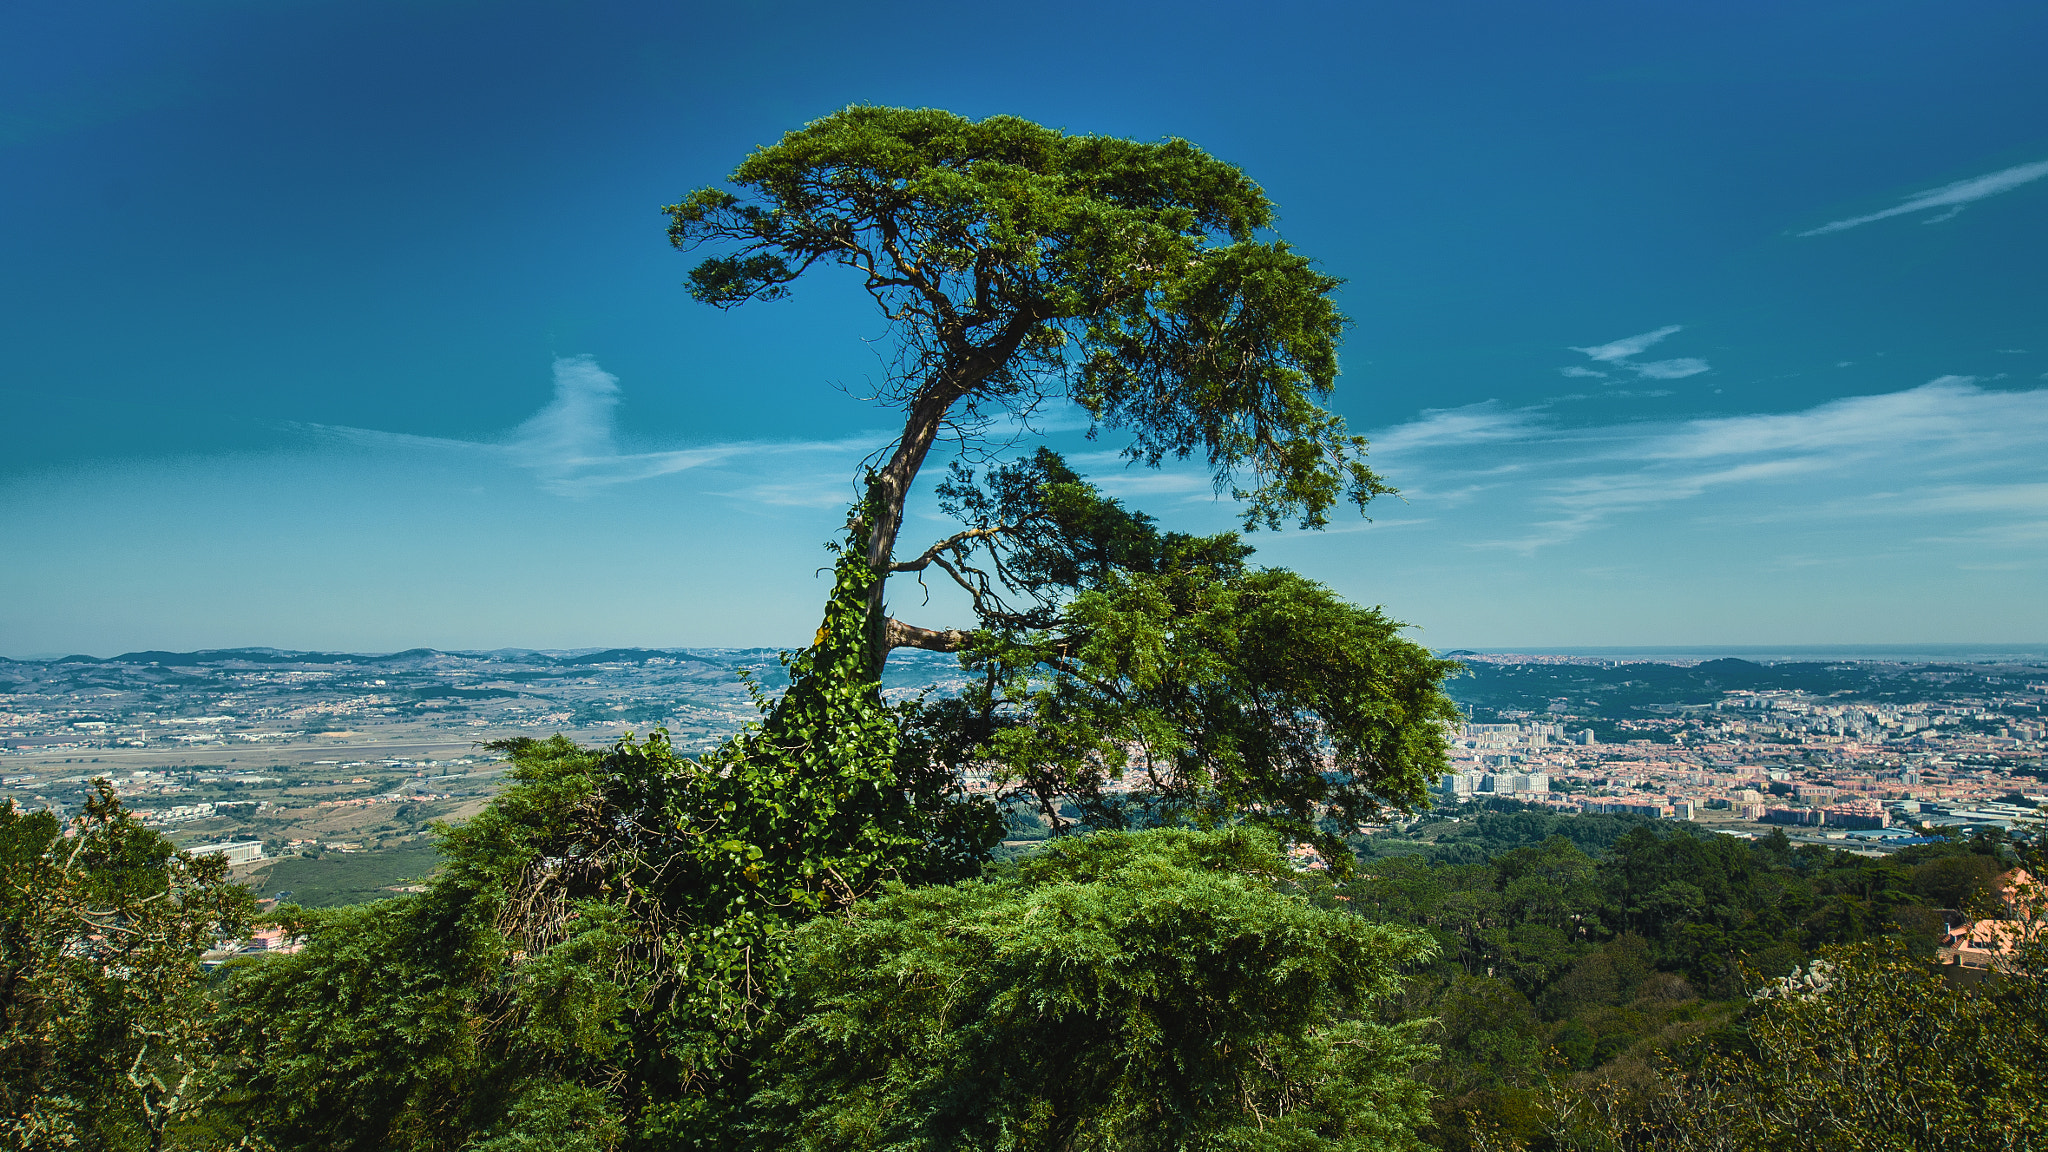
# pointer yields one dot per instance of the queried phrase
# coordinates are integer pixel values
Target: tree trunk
(891, 486)
(886, 498)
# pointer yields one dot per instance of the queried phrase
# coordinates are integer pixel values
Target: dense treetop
(1016, 262)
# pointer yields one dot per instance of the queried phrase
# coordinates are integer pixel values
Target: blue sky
(353, 325)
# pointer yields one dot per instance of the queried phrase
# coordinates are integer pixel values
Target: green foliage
(370, 1037)
(1470, 834)
(1568, 983)
(1115, 655)
(1119, 991)
(1958, 880)
(1867, 1049)
(104, 1038)
(1155, 989)
(609, 933)
(634, 949)
(1014, 260)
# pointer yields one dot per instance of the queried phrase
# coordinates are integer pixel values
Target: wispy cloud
(818, 490)
(1628, 346)
(1947, 451)
(1954, 197)
(571, 445)
(1443, 427)
(1621, 354)
(1948, 412)
(1677, 369)
(2030, 498)
(1920, 433)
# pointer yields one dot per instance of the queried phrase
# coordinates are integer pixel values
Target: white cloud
(576, 426)
(2028, 498)
(1949, 452)
(818, 491)
(1955, 197)
(1670, 369)
(1948, 411)
(1620, 353)
(571, 447)
(1441, 427)
(1578, 373)
(1629, 345)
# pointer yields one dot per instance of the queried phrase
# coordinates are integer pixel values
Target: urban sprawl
(1877, 773)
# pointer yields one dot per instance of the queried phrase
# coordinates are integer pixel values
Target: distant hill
(1533, 687)
(207, 657)
(907, 669)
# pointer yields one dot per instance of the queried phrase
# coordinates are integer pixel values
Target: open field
(333, 878)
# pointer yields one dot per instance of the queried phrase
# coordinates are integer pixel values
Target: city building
(237, 851)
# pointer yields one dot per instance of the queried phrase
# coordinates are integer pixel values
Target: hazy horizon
(1890, 653)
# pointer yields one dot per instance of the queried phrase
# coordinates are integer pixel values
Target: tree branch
(950, 542)
(897, 634)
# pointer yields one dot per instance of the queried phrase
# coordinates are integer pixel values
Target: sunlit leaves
(1017, 261)
(1142, 676)
(105, 1040)
(1126, 992)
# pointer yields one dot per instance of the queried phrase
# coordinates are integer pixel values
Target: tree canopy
(1015, 263)
(1606, 982)
(105, 1028)
(1117, 993)
(1135, 677)
(593, 971)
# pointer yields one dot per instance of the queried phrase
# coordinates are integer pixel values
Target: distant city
(266, 755)
(1872, 754)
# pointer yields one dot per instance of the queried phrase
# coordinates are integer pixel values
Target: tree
(1682, 1030)
(410, 1023)
(564, 984)
(1128, 992)
(105, 1037)
(1864, 1049)
(1016, 264)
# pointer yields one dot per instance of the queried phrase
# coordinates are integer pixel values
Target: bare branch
(948, 544)
(897, 634)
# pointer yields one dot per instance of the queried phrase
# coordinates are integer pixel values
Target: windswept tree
(1017, 265)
